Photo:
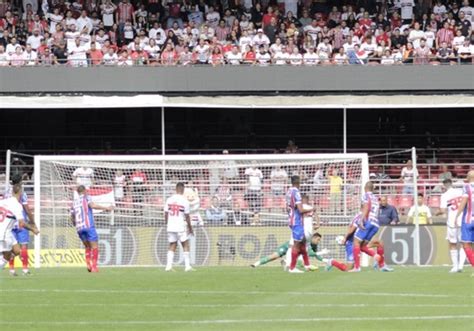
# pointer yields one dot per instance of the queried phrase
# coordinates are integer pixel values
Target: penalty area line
(204, 292)
(245, 321)
(271, 305)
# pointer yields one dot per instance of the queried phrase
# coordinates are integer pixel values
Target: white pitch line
(204, 292)
(264, 305)
(244, 321)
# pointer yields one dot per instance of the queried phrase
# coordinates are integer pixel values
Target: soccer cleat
(26, 273)
(170, 270)
(94, 269)
(460, 270)
(283, 264)
(354, 270)
(13, 273)
(386, 268)
(253, 265)
(376, 262)
(189, 269)
(311, 268)
(295, 271)
(453, 270)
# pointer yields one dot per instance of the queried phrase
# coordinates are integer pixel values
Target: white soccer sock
(462, 258)
(187, 262)
(169, 259)
(257, 263)
(3, 262)
(454, 257)
(288, 257)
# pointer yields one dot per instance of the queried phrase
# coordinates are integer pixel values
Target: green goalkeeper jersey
(282, 249)
(312, 249)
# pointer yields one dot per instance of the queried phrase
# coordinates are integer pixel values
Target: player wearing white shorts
(450, 201)
(11, 217)
(178, 225)
(309, 218)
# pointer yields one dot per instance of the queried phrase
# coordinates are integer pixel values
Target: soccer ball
(340, 240)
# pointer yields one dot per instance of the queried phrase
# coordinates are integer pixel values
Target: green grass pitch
(230, 298)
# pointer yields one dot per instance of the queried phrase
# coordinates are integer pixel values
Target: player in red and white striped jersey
(178, 225)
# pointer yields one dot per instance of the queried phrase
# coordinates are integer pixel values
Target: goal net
(238, 205)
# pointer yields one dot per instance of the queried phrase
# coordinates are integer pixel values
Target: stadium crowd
(185, 32)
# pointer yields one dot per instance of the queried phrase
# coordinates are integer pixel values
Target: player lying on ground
(82, 218)
(467, 225)
(11, 217)
(22, 235)
(178, 224)
(282, 250)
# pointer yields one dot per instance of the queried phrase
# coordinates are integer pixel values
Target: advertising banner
(231, 246)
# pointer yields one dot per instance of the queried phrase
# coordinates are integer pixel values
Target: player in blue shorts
(348, 246)
(21, 234)
(295, 219)
(368, 226)
(467, 224)
(83, 219)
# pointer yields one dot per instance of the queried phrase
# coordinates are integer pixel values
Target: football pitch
(229, 298)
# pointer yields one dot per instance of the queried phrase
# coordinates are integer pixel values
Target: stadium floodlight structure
(250, 221)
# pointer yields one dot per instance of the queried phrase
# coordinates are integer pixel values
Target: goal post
(238, 206)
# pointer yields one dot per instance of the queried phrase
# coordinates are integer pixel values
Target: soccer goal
(238, 205)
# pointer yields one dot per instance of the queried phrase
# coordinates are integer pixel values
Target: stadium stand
(170, 33)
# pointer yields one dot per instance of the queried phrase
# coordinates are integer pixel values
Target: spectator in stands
(407, 177)
(237, 217)
(466, 52)
(424, 212)
(291, 148)
(215, 214)
(224, 194)
(83, 176)
(444, 54)
(445, 173)
(254, 188)
(230, 171)
(4, 58)
(388, 214)
(318, 182)
(138, 181)
(335, 191)
(279, 179)
(120, 182)
(422, 54)
(443, 176)
(379, 175)
(369, 27)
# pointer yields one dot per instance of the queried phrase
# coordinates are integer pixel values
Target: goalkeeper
(283, 249)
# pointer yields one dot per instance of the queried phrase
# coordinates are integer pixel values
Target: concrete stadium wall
(242, 79)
